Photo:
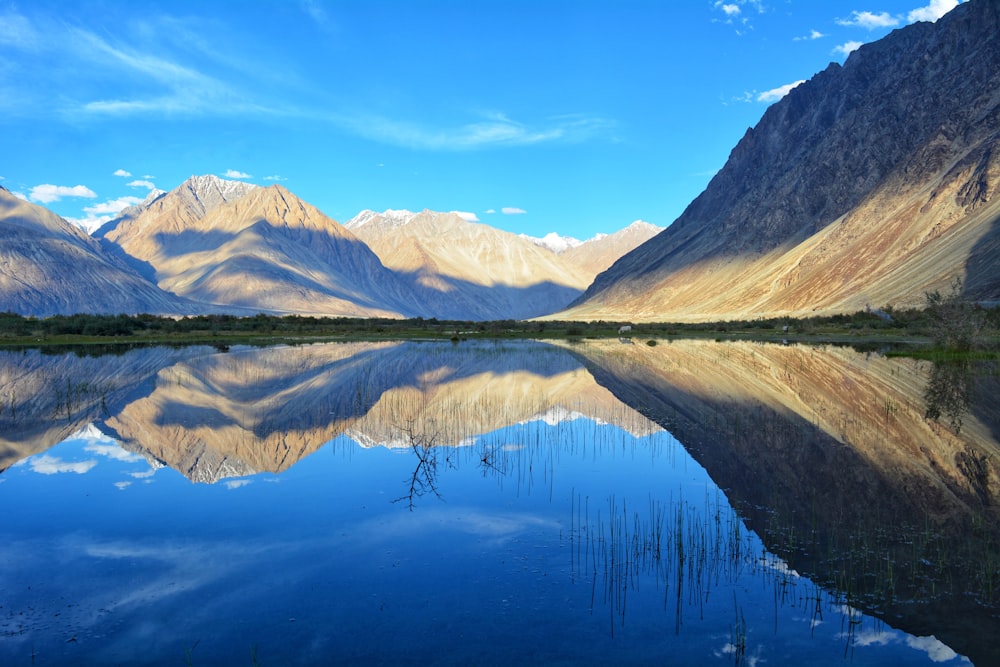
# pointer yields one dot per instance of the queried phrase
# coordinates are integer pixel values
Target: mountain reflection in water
(833, 457)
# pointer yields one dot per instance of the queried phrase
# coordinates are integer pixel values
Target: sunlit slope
(598, 254)
(256, 249)
(869, 184)
(466, 270)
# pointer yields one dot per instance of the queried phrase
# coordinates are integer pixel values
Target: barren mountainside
(255, 248)
(49, 267)
(598, 254)
(466, 270)
(871, 183)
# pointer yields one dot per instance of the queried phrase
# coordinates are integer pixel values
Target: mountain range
(214, 245)
(869, 185)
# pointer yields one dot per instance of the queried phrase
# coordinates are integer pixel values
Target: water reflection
(549, 464)
(830, 456)
(950, 391)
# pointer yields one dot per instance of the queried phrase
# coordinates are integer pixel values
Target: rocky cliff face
(870, 183)
(49, 267)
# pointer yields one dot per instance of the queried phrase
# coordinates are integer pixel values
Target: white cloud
(48, 193)
(275, 177)
(113, 451)
(510, 210)
(932, 12)
(141, 184)
(491, 211)
(776, 94)
(734, 14)
(870, 20)
(98, 214)
(20, 195)
(936, 650)
(233, 173)
(845, 48)
(465, 215)
(50, 465)
(236, 483)
(112, 206)
(122, 173)
(813, 34)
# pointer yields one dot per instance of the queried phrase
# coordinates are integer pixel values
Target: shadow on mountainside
(466, 300)
(982, 279)
(294, 261)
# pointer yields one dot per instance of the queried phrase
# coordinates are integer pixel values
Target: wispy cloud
(48, 193)
(510, 210)
(932, 12)
(275, 177)
(496, 130)
(179, 69)
(122, 173)
(869, 20)
(141, 184)
(317, 12)
(234, 173)
(17, 31)
(467, 216)
(776, 94)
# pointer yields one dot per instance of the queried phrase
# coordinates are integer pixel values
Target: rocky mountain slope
(871, 183)
(49, 267)
(236, 245)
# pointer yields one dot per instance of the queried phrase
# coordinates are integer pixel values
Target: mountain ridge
(870, 183)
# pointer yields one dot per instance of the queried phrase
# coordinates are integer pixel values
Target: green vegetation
(946, 324)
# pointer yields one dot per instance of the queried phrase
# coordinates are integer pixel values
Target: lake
(514, 502)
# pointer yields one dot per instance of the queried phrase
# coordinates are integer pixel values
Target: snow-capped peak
(389, 217)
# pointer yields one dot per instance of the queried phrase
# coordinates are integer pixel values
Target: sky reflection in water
(556, 539)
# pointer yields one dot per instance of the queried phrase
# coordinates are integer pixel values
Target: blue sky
(532, 116)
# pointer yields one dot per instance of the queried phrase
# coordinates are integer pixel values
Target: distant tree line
(947, 320)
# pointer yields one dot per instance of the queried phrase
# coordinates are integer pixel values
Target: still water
(496, 503)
